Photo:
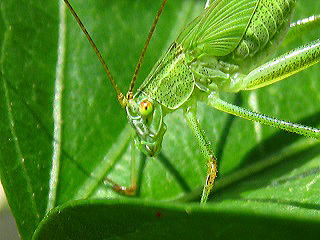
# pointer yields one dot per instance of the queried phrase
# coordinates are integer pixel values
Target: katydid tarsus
(225, 49)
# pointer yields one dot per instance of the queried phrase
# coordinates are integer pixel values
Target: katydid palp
(219, 51)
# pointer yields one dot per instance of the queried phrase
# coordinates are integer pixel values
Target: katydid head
(144, 115)
(146, 118)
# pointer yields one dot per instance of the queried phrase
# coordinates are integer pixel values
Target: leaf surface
(62, 131)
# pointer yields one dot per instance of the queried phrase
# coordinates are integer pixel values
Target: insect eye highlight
(145, 108)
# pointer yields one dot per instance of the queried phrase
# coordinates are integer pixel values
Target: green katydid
(219, 51)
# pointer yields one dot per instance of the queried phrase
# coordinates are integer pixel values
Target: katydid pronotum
(219, 51)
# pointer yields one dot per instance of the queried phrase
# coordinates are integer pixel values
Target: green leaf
(28, 59)
(96, 219)
(62, 132)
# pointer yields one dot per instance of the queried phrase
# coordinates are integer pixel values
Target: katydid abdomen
(266, 29)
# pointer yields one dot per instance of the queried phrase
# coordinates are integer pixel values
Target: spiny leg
(131, 190)
(301, 27)
(191, 117)
(308, 23)
(270, 72)
(279, 68)
(214, 101)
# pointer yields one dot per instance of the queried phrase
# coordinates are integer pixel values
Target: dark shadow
(268, 175)
(174, 172)
(226, 129)
(141, 167)
(278, 141)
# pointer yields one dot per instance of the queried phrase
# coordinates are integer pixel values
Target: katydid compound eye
(145, 108)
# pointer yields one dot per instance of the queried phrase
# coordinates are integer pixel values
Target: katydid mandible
(219, 51)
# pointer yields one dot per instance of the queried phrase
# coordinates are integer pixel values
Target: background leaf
(62, 131)
(28, 59)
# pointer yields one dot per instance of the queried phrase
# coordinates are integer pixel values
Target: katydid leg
(301, 27)
(131, 190)
(282, 67)
(308, 23)
(214, 101)
(191, 117)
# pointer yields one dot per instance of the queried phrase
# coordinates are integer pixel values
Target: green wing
(170, 82)
(219, 29)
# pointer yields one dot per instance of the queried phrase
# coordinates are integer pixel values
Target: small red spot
(158, 214)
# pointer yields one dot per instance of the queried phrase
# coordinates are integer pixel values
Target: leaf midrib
(57, 109)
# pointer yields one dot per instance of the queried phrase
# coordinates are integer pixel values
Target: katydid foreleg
(191, 117)
(131, 190)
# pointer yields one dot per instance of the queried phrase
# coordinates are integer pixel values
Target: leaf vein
(13, 131)
(57, 109)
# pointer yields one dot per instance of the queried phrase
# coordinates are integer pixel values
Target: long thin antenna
(143, 52)
(120, 95)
